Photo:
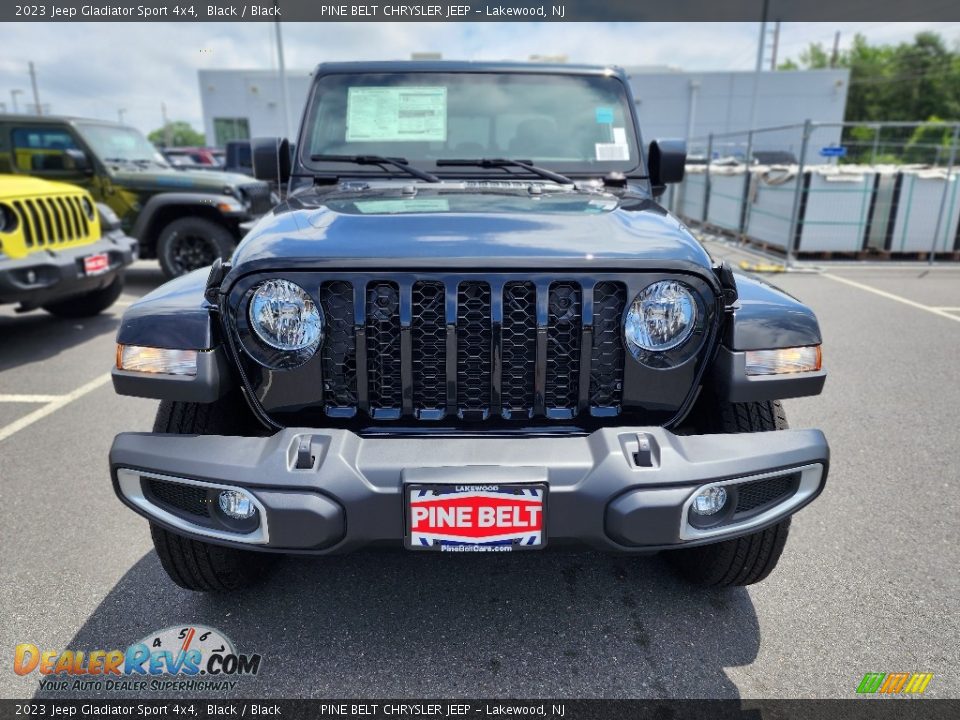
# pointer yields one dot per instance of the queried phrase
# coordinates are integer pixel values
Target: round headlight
(8, 220)
(285, 317)
(661, 317)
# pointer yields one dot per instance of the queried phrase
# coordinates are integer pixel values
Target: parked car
(59, 250)
(476, 330)
(194, 157)
(186, 219)
(238, 157)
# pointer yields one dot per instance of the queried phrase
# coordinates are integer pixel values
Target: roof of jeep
(466, 66)
(56, 119)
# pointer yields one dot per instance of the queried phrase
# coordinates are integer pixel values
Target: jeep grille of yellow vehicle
(59, 218)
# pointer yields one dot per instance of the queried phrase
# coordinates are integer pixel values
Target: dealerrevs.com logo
(181, 657)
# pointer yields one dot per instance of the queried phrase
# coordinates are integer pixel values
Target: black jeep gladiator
(469, 328)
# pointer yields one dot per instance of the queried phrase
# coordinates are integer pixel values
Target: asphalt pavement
(868, 582)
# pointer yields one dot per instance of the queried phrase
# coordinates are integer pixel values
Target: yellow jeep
(58, 249)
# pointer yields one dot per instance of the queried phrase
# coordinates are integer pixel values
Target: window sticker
(605, 116)
(616, 150)
(392, 207)
(397, 114)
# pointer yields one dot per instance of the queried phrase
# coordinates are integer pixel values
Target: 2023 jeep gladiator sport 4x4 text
(470, 327)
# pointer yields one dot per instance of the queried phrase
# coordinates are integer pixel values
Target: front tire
(190, 243)
(751, 558)
(203, 567)
(192, 564)
(88, 304)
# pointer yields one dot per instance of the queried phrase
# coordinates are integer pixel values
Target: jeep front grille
(434, 348)
(52, 221)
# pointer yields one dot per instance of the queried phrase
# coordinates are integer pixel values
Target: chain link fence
(815, 189)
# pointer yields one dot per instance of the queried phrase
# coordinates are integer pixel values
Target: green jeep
(185, 219)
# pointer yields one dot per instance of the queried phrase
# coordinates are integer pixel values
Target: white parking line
(30, 398)
(891, 296)
(60, 402)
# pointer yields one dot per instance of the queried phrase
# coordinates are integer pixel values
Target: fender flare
(766, 317)
(156, 203)
(176, 316)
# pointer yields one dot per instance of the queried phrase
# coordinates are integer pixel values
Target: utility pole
(283, 82)
(13, 99)
(167, 139)
(761, 46)
(36, 94)
(776, 46)
(836, 50)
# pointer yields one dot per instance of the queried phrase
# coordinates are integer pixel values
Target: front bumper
(619, 489)
(47, 276)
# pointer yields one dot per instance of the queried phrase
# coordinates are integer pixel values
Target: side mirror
(666, 161)
(78, 160)
(271, 159)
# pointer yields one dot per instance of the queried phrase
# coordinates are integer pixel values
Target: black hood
(469, 227)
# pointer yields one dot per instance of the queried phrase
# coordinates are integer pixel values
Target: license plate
(96, 264)
(476, 518)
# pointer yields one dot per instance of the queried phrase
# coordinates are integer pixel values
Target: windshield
(112, 143)
(572, 124)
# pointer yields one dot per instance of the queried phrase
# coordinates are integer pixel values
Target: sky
(100, 69)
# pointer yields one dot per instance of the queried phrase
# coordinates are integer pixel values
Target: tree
(908, 82)
(181, 135)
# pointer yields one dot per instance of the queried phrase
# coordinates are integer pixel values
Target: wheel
(751, 558)
(193, 564)
(203, 567)
(190, 243)
(89, 304)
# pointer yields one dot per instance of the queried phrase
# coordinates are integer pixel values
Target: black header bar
(478, 11)
(416, 709)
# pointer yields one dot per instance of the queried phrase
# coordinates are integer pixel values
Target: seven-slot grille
(52, 220)
(472, 349)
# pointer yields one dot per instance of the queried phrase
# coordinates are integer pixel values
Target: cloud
(95, 69)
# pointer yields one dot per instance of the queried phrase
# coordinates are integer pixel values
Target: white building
(691, 105)
(671, 103)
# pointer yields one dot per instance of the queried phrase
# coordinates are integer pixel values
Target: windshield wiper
(506, 162)
(397, 162)
(139, 162)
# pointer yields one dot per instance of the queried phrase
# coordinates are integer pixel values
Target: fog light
(236, 505)
(710, 501)
(156, 360)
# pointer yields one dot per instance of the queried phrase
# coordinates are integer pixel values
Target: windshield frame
(305, 168)
(83, 127)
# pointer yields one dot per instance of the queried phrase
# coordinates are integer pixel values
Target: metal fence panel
(802, 189)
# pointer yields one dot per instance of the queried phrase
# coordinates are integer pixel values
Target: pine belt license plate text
(96, 264)
(476, 518)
